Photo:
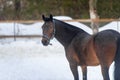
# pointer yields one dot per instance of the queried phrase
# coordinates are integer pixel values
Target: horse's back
(108, 33)
(106, 37)
(105, 43)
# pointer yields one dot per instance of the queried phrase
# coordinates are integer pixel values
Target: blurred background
(33, 9)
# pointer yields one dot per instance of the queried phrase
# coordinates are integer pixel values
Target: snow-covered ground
(30, 60)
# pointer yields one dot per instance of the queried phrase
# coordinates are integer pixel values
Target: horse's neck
(64, 35)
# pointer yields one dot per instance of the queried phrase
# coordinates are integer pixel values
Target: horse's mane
(70, 27)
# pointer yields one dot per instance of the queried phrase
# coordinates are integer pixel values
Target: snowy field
(30, 60)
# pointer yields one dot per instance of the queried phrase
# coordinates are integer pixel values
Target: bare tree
(93, 15)
(17, 6)
(2, 6)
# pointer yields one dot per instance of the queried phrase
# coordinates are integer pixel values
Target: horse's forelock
(47, 19)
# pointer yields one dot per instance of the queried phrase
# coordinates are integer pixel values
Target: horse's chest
(91, 57)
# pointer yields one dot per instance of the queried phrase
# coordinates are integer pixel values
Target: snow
(63, 17)
(115, 25)
(30, 60)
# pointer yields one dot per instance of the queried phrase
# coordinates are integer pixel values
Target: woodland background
(77, 9)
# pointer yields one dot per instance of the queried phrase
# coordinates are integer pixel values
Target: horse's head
(48, 29)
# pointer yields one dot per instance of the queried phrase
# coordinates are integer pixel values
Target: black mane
(70, 27)
(47, 19)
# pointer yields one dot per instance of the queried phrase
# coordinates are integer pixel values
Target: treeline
(33, 9)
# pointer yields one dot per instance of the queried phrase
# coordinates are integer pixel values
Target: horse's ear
(43, 17)
(51, 17)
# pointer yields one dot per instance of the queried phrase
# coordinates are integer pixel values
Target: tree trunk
(17, 9)
(2, 6)
(93, 16)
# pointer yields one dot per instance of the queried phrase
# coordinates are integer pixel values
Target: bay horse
(83, 49)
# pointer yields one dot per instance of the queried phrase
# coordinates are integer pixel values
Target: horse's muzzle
(45, 42)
